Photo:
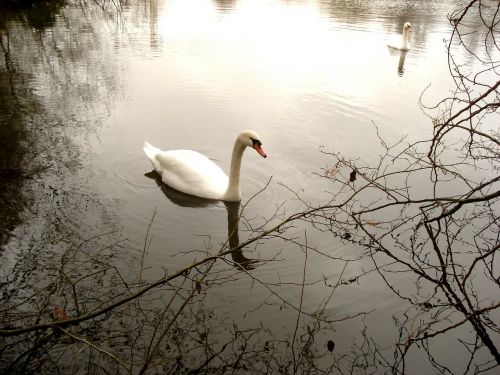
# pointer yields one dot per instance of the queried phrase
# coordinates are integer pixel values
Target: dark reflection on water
(401, 63)
(225, 5)
(233, 217)
(36, 14)
(19, 111)
(180, 198)
(401, 60)
(51, 93)
(45, 109)
(11, 156)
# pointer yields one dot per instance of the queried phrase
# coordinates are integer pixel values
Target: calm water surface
(306, 75)
(303, 75)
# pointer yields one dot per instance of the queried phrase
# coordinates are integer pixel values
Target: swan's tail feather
(151, 153)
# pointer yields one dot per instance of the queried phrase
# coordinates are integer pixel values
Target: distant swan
(402, 43)
(193, 173)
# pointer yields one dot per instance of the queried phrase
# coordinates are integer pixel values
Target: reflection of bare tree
(37, 14)
(11, 155)
(40, 94)
(353, 11)
(442, 235)
(225, 5)
(48, 100)
(155, 325)
(424, 15)
(19, 159)
(153, 16)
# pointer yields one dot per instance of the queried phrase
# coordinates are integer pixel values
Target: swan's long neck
(233, 188)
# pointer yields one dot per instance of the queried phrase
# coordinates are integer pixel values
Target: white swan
(402, 43)
(193, 173)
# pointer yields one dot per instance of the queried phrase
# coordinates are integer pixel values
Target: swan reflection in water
(401, 63)
(233, 211)
(402, 57)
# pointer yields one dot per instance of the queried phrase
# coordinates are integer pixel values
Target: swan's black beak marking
(257, 146)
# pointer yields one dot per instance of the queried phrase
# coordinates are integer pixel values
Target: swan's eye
(256, 141)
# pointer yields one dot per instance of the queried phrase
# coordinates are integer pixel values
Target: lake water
(306, 75)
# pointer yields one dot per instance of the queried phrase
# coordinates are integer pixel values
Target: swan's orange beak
(259, 149)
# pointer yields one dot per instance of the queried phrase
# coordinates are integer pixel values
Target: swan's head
(407, 27)
(251, 139)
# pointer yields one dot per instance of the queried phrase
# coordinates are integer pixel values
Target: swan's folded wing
(192, 173)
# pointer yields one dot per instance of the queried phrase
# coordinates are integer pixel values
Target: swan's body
(401, 42)
(193, 173)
